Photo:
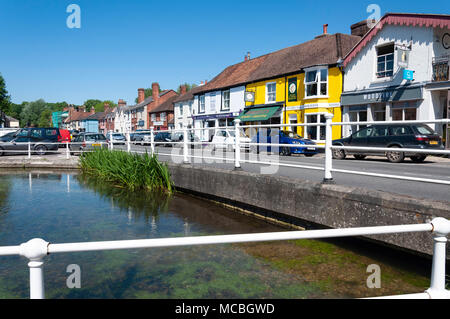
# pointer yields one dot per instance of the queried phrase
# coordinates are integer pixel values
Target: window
(379, 113)
(385, 61)
(162, 117)
(401, 130)
(201, 107)
(316, 83)
(36, 133)
(364, 133)
(316, 133)
(225, 100)
(404, 111)
(271, 92)
(153, 117)
(357, 115)
(212, 103)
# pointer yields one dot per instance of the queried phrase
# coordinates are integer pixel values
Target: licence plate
(311, 149)
(97, 145)
(434, 143)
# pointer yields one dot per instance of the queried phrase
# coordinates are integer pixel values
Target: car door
(378, 138)
(360, 139)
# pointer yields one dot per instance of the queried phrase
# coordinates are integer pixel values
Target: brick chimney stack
(121, 103)
(141, 95)
(155, 91)
(183, 89)
(325, 29)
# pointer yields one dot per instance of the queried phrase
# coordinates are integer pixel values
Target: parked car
(8, 137)
(41, 141)
(139, 137)
(161, 138)
(418, 136)
(87, 142)
(177, 137)
(305, 146)
(116, 138)
(225, 139)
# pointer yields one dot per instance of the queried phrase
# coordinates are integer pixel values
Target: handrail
(36, 249)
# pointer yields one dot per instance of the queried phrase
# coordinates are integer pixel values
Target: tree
(91, 103)
(100, 107)
(45, 118)
(5, 102)
(31, 113)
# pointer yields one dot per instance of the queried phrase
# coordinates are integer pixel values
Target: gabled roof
(167, 106)
(77, 116)
(407, 19)
(96, 116)
(189, 95)
(323, 50)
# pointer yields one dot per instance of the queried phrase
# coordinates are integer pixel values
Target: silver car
(87, 142)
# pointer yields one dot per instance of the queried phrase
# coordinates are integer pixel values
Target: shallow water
(63, 208)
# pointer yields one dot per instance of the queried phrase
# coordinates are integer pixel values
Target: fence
(36, 249)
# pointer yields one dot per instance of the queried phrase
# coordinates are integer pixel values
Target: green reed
(131, 171)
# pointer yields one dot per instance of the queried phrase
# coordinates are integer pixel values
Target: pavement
(434, 168)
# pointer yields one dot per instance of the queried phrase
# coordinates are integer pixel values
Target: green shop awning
(260, 114)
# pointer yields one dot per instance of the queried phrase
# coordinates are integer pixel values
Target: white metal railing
(36, 249)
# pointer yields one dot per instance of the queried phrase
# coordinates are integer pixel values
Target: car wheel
(41, 150)
(309, 155)
(418, 158)
(360, 157)
(339, 154)
(285, 151)
(395, 157)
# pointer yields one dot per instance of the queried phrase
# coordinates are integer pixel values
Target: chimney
(361, 28)
(206, 82)
(141, 95)
(201, 83)
(155, 89)
(325, 29)
(245, 58)
(121, 103)
(183, 89)
(248, 56)
(107, 109)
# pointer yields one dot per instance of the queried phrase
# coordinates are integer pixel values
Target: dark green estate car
(419, 136)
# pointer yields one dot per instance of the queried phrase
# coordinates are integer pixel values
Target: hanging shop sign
(292, 90)
(403, 58)
(408, 75)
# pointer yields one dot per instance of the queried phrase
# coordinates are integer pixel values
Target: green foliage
(45, 118)
(31, 112)
(5, 102)
(91, 103)
(131, 171)
(100, 107)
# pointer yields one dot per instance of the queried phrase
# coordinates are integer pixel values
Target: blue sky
(124, 45)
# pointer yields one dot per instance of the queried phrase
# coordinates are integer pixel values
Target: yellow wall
(334, 96)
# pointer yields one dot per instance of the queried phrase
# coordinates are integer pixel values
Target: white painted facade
(214, 113)
(183, 112)
(360, 73)
(122, 120)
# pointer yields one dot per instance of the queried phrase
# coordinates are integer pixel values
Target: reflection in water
(5, 188)
(137, 204)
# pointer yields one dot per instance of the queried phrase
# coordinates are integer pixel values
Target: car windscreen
(292, 134)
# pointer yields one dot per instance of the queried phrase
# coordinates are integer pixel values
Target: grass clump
(131, 171)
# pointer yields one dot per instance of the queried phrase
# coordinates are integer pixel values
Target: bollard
(440, 232)
(185, 145)
(328, 179)
(237, 145)
(35, 250)
(111, 145)
(152, 140)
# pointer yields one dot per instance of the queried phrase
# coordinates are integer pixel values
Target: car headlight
(296, 142)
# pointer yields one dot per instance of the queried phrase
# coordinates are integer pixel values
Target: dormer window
(385, 61)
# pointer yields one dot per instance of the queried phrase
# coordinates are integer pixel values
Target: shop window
(316, 83)
(271, 89)
(357, 116)
(162, 117)
(404, 112)
(153, 117)
(226, 100)
(385, 61)
(316, 133)
(379, 113)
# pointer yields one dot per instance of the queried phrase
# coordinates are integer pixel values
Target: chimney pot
(325, 29)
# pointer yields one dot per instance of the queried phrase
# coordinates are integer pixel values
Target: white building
(217, 108)
(376, 84)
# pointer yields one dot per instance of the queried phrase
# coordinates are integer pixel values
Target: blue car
(305, 146)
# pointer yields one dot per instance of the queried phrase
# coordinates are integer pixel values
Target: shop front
(206, 125)
(265, 115)
(402, 103)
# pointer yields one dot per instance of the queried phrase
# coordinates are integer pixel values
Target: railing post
(29, 149)
(128, 142)
(152, 140)
(111, 144)
(35, 250)
(67, 151)
(328, 179)
(185, 144)
(237, 145)
(437, 287)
